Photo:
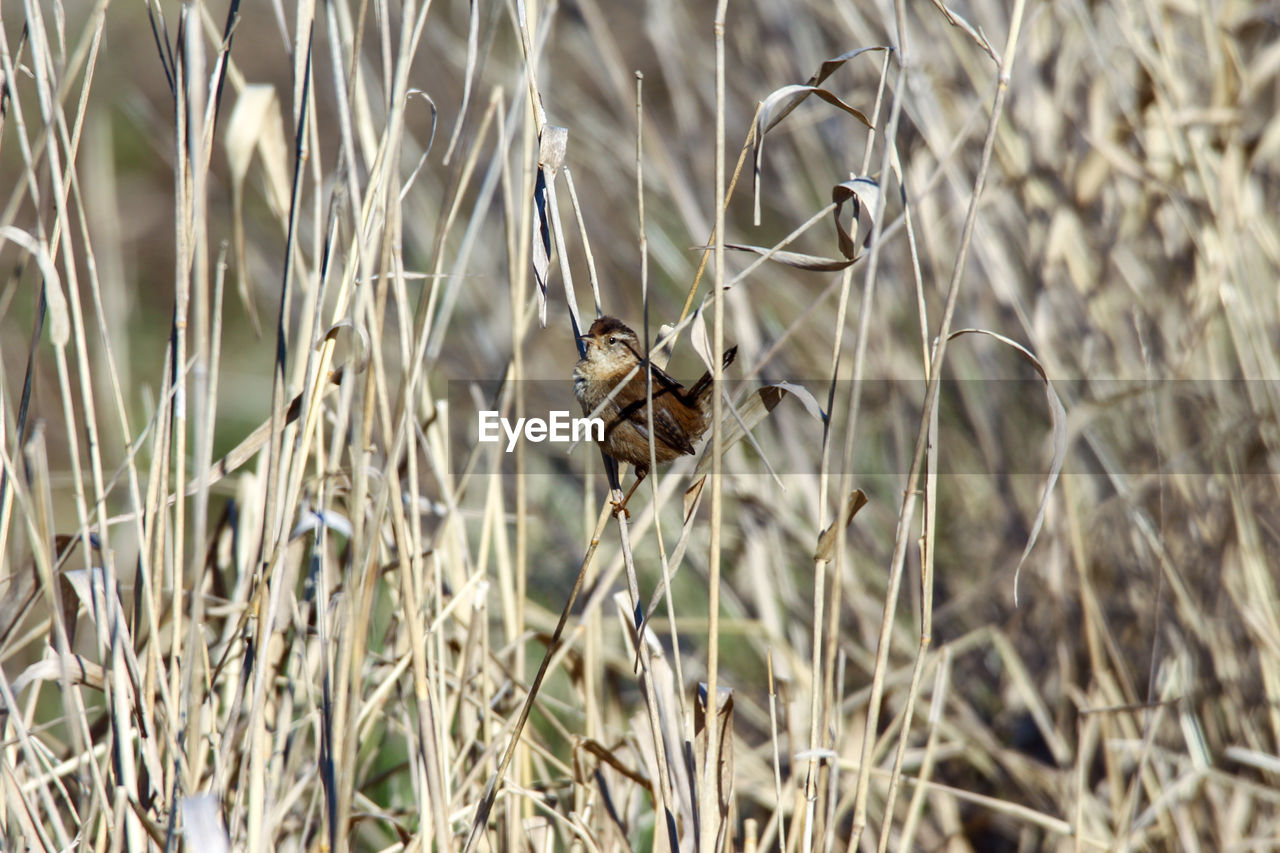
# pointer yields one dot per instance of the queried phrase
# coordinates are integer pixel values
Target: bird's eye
(612, 340)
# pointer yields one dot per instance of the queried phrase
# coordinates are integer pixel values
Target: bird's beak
(584, 339)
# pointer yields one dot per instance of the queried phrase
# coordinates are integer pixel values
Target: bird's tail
(704, 381)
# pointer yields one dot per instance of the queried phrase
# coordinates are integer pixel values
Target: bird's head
(610, 346)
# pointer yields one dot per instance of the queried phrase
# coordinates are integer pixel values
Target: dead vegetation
(262, 587)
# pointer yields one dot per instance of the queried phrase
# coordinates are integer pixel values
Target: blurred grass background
(335, 640)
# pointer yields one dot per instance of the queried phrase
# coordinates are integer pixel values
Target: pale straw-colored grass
(262, 589)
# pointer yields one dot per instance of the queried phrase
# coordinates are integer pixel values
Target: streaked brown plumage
(680, 415)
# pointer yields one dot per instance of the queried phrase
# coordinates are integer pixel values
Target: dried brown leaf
(814, 263)
(827, 539)
(700, 340)
(864, 192)
(755, 408)
(787, 98)
(1058, 419)
(53, 667)
(551, 151)
(691, 496)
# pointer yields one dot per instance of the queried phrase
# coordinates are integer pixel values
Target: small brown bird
(681, 415)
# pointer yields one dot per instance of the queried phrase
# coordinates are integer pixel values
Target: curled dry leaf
(53, 667)
(341, 334)
(790, 96)
(864, 193)
(691, 496)
(805, 399)
(699, 339)
(90, 588)
(255, 126)
(785, 99)
(813, 263)
(864, 196)
(751, 411)
(1058, 420)
(827, 539)
(552, 146)
(828, 67)
(551, 150)
(413, 176)
(541, 244)
(55, 299)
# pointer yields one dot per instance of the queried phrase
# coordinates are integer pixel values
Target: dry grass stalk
(260, 586)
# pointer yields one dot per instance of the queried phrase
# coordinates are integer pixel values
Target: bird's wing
(630, 406)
